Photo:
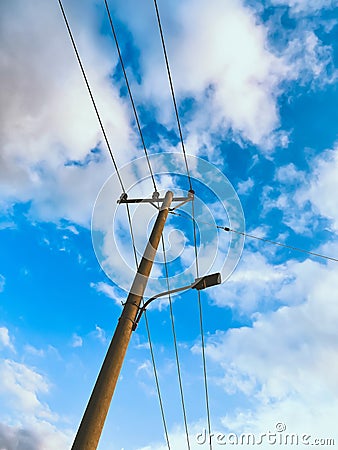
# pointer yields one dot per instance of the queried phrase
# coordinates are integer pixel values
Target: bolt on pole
(90, 429)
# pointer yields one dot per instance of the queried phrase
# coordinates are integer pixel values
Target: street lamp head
(207, 281)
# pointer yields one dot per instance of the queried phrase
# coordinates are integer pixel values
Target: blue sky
(256, 85)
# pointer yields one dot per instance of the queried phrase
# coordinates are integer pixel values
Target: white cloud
(21, 385)
(26, 422)
(145, 367)
(18, 438)
(178, 439)
(110, 291)
(99, 334)
(34, 351)
(2, 283)
(304, 197)
(254, 284)
(306, 6)
(308, 59)
(49, 119)
(77, 341)
(5, 340)
(72, 229)
(39, 436)
(323, 185)
(33, 436)
(289, 174)
(219, 56)
(281, 361)
(223, 59)
(244, 187)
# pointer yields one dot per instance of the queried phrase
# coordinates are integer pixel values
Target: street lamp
(199, 284)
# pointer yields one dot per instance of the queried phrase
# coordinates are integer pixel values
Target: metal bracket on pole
(190, 198)
(156, 198)
(124, 199)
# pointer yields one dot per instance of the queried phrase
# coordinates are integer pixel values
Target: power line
(159, 396)
(206, 390)
(191, 190)
(99, 119)
(298, 249)
(172, 91)
(164, 253)
(157, 381)
(206, 393)
(150, 344)
(123, 189)
(175, 346)
(155, 189)
(90, 93)
(132, 235)
(280, 244)
(130, 93)
(194, 224)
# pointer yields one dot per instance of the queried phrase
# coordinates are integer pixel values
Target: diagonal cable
(90, 93)
(98, 117)
(252, 236)
(175, 345)
(157, 381)
(123, 189)
(194, 225)
(151, 346)
(130, 93)
(155, 189)
(172, 91)
(298, 249)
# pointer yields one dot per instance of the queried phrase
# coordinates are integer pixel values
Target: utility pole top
(90, 429)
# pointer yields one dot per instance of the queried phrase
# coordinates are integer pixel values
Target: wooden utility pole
(89, 432)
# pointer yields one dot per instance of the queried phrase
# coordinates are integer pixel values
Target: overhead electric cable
(175, 346)
(172, 91)
(128, 211)
(298, 249)
(164, 422)
(200, 309)
(90, 94)
(98, 117)
(151, 347)
(278, 243)
(130, 93)
(191, 189)
(166, 267)
(132, 236)
(157, 381)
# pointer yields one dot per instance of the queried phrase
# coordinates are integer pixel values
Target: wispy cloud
(5, 339)
(34, 351)
(77, 341)
(2, 282)
(21, 390)
(304, 6)
(99, 334)
(110, 291)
